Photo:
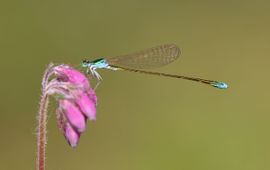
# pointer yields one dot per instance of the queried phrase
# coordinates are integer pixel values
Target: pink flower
(73, 115)
(87, 105)
(77, 101)
(67, 74)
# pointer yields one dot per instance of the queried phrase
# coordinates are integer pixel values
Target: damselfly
(150, 58)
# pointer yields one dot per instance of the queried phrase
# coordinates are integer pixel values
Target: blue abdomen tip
(220, 85)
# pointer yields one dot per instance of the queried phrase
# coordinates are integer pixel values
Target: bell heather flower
(77, 101)
(76, 104)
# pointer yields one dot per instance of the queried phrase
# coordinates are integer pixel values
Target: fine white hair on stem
(42, 120)
(46, 75)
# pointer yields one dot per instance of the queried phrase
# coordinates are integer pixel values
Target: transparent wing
(149, 58)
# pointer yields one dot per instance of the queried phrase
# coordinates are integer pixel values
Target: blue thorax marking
(99, 63)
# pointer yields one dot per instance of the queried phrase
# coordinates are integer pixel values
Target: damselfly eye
(84, 63)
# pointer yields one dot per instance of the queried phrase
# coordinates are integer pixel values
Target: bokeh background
(143, 122)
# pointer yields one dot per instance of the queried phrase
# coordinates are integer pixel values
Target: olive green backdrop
(143, 122)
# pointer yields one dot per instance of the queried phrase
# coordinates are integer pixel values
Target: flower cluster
(77, 101)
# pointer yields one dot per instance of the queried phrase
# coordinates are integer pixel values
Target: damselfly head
(85, 63)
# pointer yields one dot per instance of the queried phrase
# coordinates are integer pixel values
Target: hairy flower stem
(42, 120)
(41, 137)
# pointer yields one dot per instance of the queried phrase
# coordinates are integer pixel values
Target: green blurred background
(143, 122)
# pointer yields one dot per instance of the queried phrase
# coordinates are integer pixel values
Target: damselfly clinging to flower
(150, 58)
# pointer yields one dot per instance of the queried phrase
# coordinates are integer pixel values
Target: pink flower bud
(87, 106)
(68, 74)
(71, 135)
(73, 114)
